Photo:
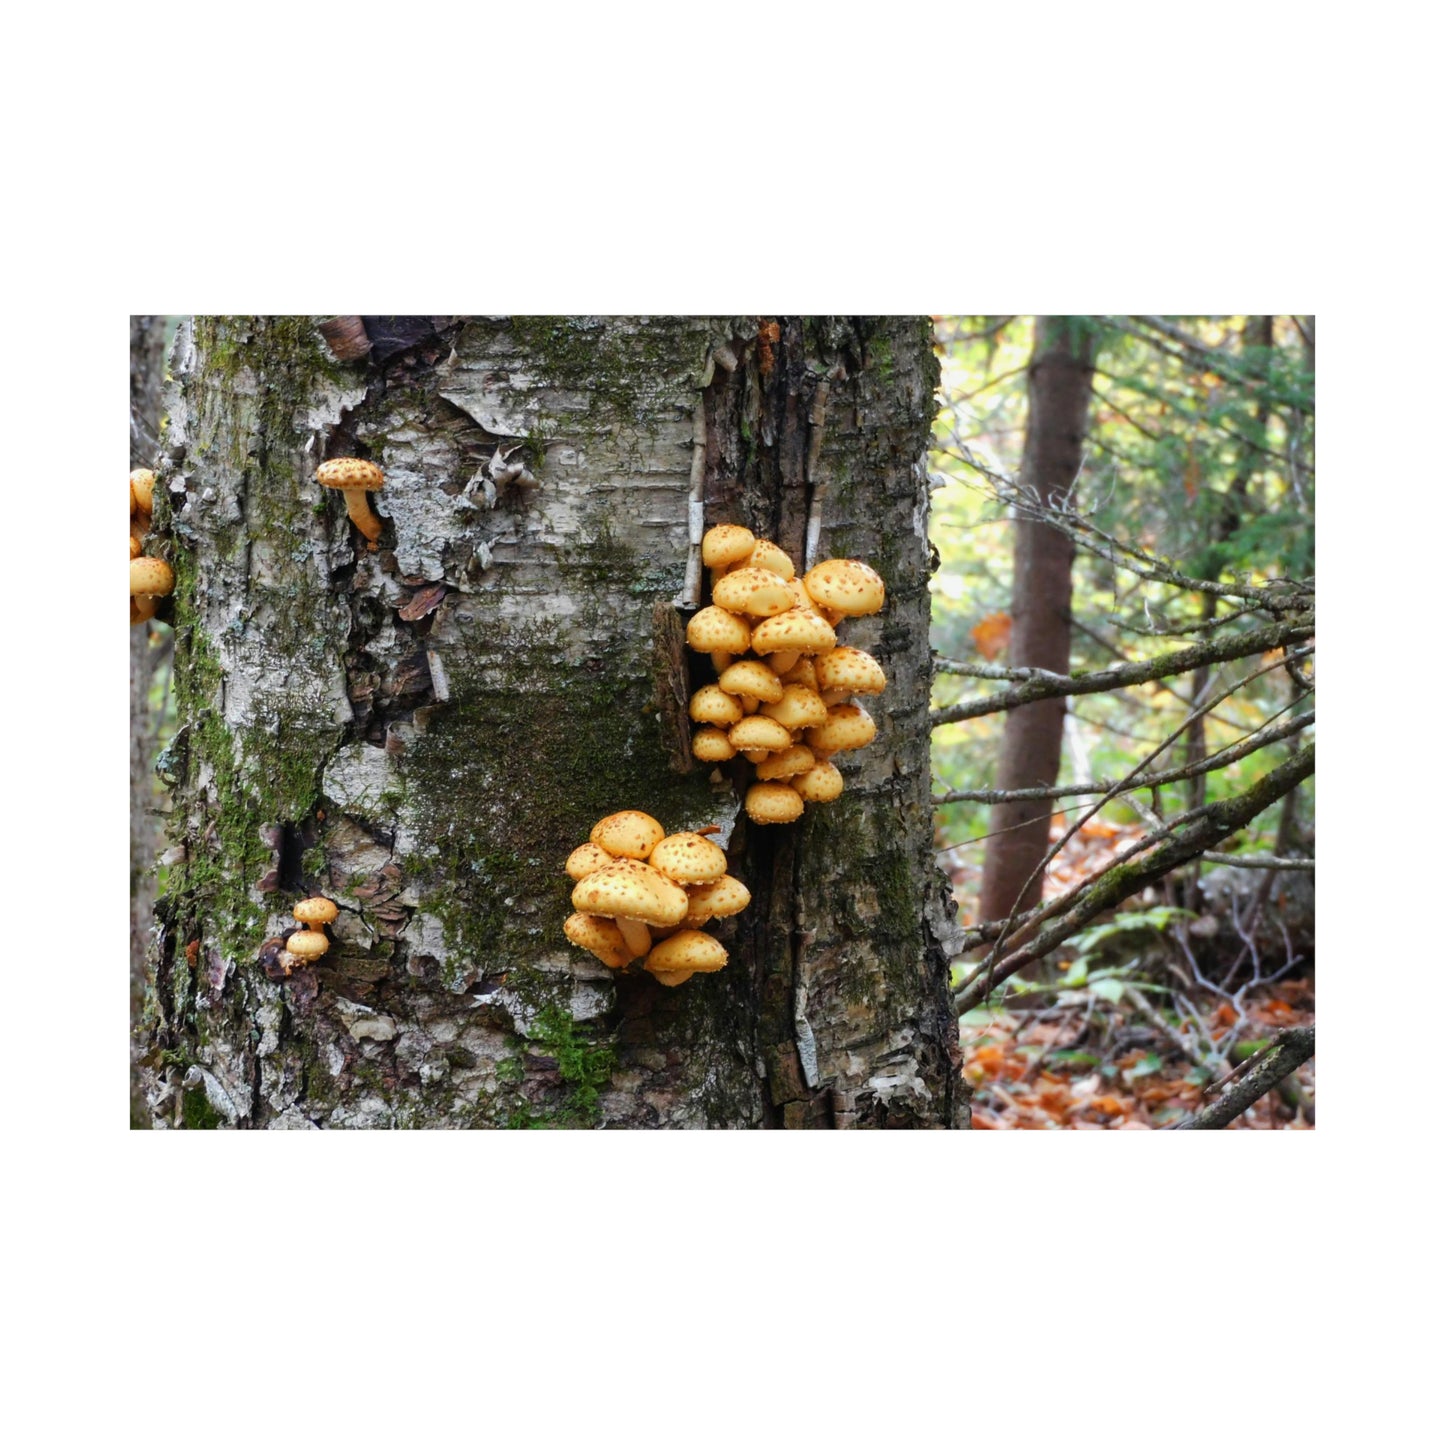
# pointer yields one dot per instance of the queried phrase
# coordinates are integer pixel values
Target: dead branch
(1267, 1069)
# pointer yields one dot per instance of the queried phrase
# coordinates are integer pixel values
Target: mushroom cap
(689, 858)
(710, 704)
(772, 803)
(847, 586)
(799, 707)
(721, 898)
(626, 888)
(796, 630)
(134, 547)
(848, 727)
(587, 858)
(307, 946)
(753, 590)
(820, 784)
(150, 577)
(315, 911)
(770, 555)
(796, 759)
(349, 474)
(599, 936)
(715, 629)
(801, 673)
(725, 544)
(759, 732)
(142, 489)
(751, 678)
(849, 669)
(711, 745)
(628, 834)
(688, 950)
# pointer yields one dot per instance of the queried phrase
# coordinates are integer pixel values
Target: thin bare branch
(1267, 1069)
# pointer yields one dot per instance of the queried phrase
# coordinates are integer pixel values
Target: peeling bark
(423, 731)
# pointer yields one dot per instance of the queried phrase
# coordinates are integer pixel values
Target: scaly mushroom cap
(753, 590)
(771, 556)
(315, 912)
(725, 544)
(848, 727)
(799, 707)
(759, 732)
(710, 704)
(849, 670)
(772, 803)
(599, 936)
(626, 888)
(689, 858)
(847, 586)
(804, 601)
(801, 674)
(711, 745)
(721, 898)
(795, 630)
(820, 784)
(751, 678)
(351, 474)
(628, 834)
(785, 764)
(142, 490)
(714, 629)
(586, 859)
(150, 577)
(688, 951)
(307, 946)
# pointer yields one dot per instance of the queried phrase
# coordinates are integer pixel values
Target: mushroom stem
(673, 977)
(782, 662)
(358, 508)
(635, 936)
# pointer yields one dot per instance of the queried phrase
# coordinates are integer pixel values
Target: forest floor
(1088, 1054)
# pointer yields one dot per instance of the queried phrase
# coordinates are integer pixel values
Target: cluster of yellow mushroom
(150, 577)
(644, 894)
(309, 942)
(784, 696)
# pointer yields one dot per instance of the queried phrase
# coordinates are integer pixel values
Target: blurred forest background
(1123, 511)
(1192, 463)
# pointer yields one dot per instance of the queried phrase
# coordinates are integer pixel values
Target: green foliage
(584, 1063)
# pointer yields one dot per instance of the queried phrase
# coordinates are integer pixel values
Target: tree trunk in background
(424, 731)
(1060, 377)
(147, 369)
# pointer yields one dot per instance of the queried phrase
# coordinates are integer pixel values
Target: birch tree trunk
(424, 730)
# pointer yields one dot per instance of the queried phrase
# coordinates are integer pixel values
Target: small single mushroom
(754, 591)
(150, 580)
(586, 859)
(849, 670)
(710, 704)
(600, 937)
(751, 678)
(134, 548)
(723, 546)
(307, 946)
(770, 555)
(354, 478)
(772, 803)
(799, 707)
(711, 745)
(690, 951)
(847, 586)
(142, 491)
(759, 732)
(721, 898)
(628, 834)
(848, 726)
(820, 784)
(315, 913)
(793, 760)
(714, 629)
(689, 858)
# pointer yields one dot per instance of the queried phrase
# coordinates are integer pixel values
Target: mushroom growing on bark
(150, 580)
(354, 478)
